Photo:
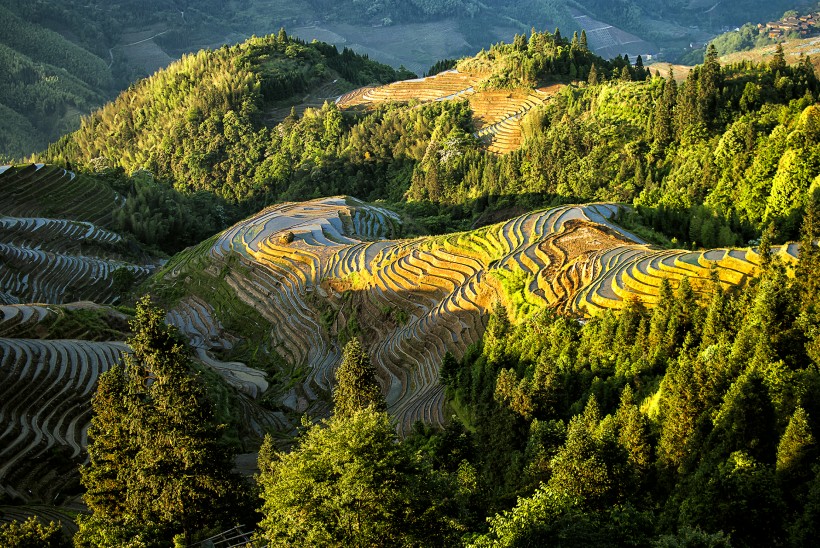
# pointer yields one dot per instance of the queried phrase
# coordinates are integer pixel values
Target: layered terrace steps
(497, 113)
(45, 398)
(415, 300)
(29, 190)
(34, 275)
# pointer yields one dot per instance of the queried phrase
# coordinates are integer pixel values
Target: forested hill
(46, 80)
(206, 122)
(202, 122)
(725, 153)
(60, 59)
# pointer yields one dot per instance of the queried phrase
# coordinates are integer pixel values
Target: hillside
(71, 244)
(496, 114)
(795, 51)
(218, 110)
(64, 59)
(289, 286)
(416, 300)
(268, 304)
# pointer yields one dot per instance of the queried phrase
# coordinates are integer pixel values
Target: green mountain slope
(201, 122)
(108, 45)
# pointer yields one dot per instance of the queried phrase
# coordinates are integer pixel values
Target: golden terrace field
(321, 272)
(497, 113)
(289, 286)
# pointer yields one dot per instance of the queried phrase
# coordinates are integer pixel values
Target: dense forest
(691, 424)
(693, 421)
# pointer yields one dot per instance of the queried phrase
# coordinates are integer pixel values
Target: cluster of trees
(200, 123)
(159, 474)
(160, 217)
(697, 418)
(738, 140)
(745, 38)
(543, 57)
(158, 470)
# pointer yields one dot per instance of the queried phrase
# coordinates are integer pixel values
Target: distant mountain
(59, 60)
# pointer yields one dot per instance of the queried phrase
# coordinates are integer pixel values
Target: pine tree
(157, 468)
(797, 448)
(765, 248)
(584, 45)
(356, 384)
(664, 112)
(633, 433)
(578, 468)
(778, 62)
(808, 267)
(716, 323)
(709, 84)
(349, 482)
(593, 75)
(640, 71)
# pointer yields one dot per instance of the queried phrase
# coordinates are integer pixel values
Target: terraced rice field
(497, 114)
(195, 319)
(61, 259)
(414, 300)
(54, 249)
(449, 84)
(36, 190)
(45, 395)
(46, 388)
(318, 273)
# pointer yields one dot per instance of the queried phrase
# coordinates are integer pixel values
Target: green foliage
(48, 82)
(719, 156)
(199, 123)
(745, 38)
(544, 57)
(356, 384)
(156, 467)
(687, 537)
(162, 217)
(349, 483)
(686, 425)
(32, 534)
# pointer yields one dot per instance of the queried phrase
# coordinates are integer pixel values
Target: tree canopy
(348, 482)
(156, 466)
(356, 384)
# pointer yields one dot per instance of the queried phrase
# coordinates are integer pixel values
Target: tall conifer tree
(356, 384)
(157, 469)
